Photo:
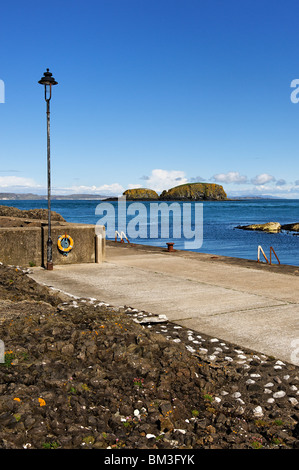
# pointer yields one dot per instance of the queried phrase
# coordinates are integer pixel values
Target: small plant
(208, 397)
(89, 440)
(195, 413)
(257, 443)
(32, 264)
(138, 382)
(50, 445)
(278, 422)
(85, 387)
(8, 358)
(260, 423)
(277, 441)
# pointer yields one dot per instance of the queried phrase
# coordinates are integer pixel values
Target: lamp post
(48, 81)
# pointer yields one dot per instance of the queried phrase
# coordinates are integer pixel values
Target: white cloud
(230, 177)
(164, 179)
(114, 189)
(262, 179)
(11, 183)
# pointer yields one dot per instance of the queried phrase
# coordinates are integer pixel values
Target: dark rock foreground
(79, 373)
(40, 214)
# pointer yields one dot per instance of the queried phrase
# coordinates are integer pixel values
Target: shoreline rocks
(270, 227)
(40, 214)
(291, 227)
(80, 373)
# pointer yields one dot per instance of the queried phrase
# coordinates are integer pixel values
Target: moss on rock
(195, 191)
(140, 193)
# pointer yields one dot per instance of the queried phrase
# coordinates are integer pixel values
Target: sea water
(220, 219)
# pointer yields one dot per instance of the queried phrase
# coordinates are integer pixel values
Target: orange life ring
(65, 243)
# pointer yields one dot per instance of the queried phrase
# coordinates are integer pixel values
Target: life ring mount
(65, 243)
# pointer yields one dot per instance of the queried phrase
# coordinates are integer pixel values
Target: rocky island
(184, 192)
(195, 192)
(141, 193)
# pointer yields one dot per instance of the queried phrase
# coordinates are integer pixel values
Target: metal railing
(121, 235)
(260, 250)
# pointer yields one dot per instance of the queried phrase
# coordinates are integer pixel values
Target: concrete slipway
(252, 305)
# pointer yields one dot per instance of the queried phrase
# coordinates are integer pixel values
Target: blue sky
(151, 94)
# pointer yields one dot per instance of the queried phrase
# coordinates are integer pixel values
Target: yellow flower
(41, 402)
(17, 399)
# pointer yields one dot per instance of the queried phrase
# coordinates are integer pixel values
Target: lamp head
(47, 79)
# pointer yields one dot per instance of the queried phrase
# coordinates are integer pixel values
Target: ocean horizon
(220, 219)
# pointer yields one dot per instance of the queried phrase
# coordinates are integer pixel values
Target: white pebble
(293, 400)
(258, 412)
(241, 356)
(279, 394)
(240, 401)
(270, 400)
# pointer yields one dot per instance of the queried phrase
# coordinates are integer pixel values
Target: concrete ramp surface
(239, 301)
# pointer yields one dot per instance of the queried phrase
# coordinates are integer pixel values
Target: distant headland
(37, 197)
(188, 191)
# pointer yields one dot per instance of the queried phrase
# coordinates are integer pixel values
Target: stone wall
(27, 245)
